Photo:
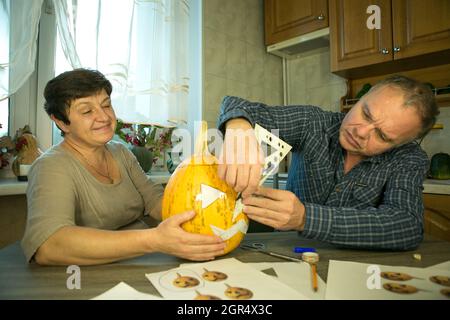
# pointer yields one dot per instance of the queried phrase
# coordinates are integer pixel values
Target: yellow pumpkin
(195, 185)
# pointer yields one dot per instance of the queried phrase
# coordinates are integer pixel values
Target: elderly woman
(83, 191)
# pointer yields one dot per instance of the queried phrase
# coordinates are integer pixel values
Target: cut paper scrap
(272, 161)
(239, 226)
(239, 274)
(123, 291)
(356, 281)
(208, 195)
(295, 275)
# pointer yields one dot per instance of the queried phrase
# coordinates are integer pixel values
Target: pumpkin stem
(201, 143)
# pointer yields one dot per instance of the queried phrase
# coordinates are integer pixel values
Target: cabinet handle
(396, 49)
(320, 17)
(384, 51)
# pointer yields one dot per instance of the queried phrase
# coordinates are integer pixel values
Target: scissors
(261, 247)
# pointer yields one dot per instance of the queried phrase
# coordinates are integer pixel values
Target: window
(26, 106)
(4, 59)
(4, 114)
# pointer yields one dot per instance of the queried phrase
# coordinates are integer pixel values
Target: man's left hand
(279, 209)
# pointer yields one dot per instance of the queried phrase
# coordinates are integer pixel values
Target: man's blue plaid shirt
(378, 204)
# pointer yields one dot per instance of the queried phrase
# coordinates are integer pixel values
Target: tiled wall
(235, 61)
(311, 82)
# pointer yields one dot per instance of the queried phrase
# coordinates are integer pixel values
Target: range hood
(306, 42)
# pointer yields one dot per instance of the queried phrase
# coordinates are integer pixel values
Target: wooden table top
(19, 280)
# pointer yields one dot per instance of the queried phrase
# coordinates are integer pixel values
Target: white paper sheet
(295, 275)
(238, 274)
(123, 291)
(443, 266)
(350, 280)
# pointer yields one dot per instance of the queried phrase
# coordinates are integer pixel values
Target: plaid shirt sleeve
(291, 121)
(396, 224)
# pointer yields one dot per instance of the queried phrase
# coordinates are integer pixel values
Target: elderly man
(355, 179)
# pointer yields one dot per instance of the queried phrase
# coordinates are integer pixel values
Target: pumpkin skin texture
(182, 194)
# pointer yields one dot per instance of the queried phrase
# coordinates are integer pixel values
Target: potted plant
(148, 142)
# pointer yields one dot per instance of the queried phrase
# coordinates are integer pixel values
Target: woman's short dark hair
(417, 95)
(62, 90)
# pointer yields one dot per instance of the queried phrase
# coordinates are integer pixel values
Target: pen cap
(310, 257)
(302, 250)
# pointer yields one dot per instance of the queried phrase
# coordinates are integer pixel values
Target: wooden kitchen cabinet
(437, 215)
(286, 19)
(413, 34)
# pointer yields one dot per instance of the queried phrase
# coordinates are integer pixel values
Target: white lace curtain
(141, 46)
(19, 21)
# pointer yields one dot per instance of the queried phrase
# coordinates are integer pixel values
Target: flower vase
(143, 156)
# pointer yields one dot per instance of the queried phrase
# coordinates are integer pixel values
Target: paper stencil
(123, 291)
(352, 280)
(238, 281)
(272, 161)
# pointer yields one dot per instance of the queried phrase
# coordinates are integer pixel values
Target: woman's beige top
(62, 192)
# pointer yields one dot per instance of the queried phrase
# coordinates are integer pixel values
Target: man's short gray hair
(417, 95)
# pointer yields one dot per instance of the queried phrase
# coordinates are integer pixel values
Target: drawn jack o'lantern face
(446, 292)
(195, 185)
(185, 281)
(205, 296)
(441, 280)
(396, 276)
(399, 288)
(214, 275)
(238, 293)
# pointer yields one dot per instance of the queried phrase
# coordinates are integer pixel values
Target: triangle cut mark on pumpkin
(240, 226)
(208, 195)
(237, 209)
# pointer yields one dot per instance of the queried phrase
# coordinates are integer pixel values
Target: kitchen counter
(11, 186)
(436, 186)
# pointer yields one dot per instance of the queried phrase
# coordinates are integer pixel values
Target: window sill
(11, 186)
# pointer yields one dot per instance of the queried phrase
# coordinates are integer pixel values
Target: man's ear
(60, 124)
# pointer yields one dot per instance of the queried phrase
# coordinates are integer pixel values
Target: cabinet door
(286, 19)
(352, 43)
(437, 215)
(420, 27)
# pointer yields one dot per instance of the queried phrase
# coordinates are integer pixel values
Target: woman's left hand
(279, 209)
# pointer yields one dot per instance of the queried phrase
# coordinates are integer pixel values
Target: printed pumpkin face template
(400, 288)
(213, 275)
(201, 296)
(185, 281)
(397, 276)
(238, 293)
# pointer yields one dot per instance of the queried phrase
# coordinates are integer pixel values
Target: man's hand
(279, 209)
(242, 159)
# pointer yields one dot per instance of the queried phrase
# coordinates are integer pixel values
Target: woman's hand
(279, 209)
(170, 238)
(242, 159)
